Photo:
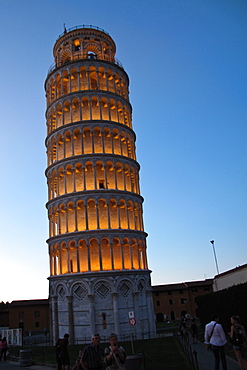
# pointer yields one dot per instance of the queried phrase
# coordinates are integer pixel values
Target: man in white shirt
(215, 336)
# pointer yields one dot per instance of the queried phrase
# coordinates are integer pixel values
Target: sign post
(132, 322)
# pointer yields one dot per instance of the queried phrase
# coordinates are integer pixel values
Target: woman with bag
(238, 339)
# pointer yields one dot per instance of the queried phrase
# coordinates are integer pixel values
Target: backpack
(238, 338)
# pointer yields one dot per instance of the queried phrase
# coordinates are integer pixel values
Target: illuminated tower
(97, 244)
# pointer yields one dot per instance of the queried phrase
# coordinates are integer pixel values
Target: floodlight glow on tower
(97, 242)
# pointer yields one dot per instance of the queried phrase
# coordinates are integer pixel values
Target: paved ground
(206, 358)
(12, 365)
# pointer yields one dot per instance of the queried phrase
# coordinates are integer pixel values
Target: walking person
(238, 339)
(216, 338)
(4, 348)
(63, 352)
(93, 355)
(114, 355)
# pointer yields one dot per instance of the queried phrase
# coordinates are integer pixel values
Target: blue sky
(186, 60)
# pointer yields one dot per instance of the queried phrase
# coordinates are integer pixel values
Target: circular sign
(132, 322)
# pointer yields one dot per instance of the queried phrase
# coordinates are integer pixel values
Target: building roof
(235, 269)
(31, 302)
(184, 285)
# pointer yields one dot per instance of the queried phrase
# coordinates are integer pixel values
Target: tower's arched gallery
(99, 275)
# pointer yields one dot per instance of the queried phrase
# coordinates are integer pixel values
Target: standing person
(3, 349)
(58, 360)
(238, 339)
(114, 355)
(63, 353)
(193, 329)
(93, 355)
(215, 336)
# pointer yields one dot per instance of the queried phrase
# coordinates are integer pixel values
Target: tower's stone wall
(97, 243)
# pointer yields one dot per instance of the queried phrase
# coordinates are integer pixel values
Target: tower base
(102, 302)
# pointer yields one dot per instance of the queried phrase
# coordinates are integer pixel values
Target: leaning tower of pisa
(99, 274)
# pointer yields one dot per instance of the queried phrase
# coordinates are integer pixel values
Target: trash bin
(134, 362)
(25, 357)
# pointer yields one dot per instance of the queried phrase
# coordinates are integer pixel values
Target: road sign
(132, 322)
(131, 315)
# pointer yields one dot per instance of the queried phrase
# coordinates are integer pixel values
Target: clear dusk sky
(187, 63)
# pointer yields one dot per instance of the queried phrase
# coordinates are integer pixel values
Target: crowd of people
(93, 356)
(216, 339)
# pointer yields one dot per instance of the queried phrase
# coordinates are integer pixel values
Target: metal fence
(190, 353)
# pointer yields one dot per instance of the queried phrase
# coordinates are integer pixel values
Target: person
(93, 355)
(238, 339)
(4, 348)
(193, 330)
(63, 352)
(57, 349)
(216, 338)
(114, 355)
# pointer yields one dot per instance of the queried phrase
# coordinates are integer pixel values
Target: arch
(81, 217)
(66, 112)
(123, 214)
(75, 110)
(87, 140)
(83, 256)
(77, 137)
(97, 137)
(113, 214)
(94, 255)
(85, 109)
(103, 214)
(89, 174)
(71, 217)
(106, 254)
(117, 254)
(72, 257)
(92, 215)
(95, 107)
(79, 183)
(126, 254)
(63, 258)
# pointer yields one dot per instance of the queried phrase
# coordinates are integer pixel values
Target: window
(104, 320)
(183, 300)
(157, 294)
(169, 292)
(170, 302)
(181, 291)
(194, 290)
(207, 289)
(36, 314)
(37, 324)
(157, 303)
(101, 184)
(21, 315)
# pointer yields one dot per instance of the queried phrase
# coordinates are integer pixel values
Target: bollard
(25, 357)
(134, 362)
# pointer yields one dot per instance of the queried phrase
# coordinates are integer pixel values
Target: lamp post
(212, 242)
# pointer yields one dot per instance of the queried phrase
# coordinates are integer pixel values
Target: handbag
(209, 345)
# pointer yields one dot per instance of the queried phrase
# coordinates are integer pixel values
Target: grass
(159, 353)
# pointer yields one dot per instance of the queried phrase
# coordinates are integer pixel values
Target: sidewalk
(206, 358)
(12, 365)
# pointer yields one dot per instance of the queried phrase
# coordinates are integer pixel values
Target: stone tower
(99, 274)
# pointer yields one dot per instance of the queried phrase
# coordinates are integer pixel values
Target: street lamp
(212, 242)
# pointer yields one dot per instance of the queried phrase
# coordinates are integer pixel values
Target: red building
(29, 315)
(173, 301)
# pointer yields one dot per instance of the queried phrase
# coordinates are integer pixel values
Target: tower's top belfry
(84, 42)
